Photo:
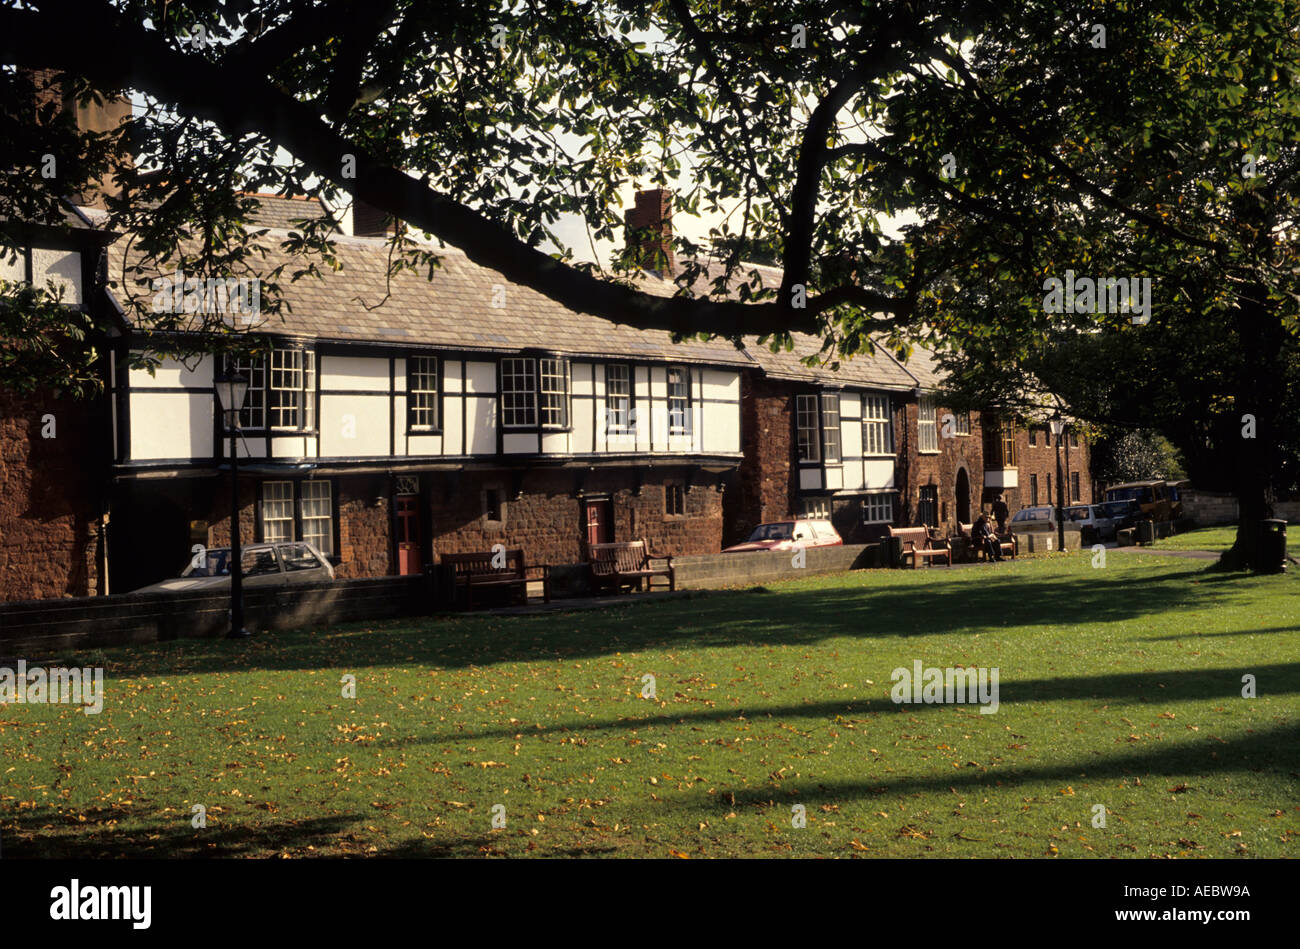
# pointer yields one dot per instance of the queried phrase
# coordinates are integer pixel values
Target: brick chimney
(369, 221)
(103, 117)
(649, 227)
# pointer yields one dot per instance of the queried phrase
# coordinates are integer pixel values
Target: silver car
(264, 565)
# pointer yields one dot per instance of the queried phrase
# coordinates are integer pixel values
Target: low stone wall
(1207, 508)
(743, 569)
(45, 627)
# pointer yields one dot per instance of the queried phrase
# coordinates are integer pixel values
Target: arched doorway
(963, 497)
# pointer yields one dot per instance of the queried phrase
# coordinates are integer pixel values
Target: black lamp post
(1058, 426)
(231, 388)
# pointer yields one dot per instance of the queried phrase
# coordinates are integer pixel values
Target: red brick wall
(48, 498)
(547, 521)
(652, 215)
(364, 531)
(764, 488)
(1040, 460)
(939, 469)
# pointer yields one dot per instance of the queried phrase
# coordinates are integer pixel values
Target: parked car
(1099, 522)
(264, 565)
(1176, 498)
(1152, 496)
(1041, 518)
(785, 535)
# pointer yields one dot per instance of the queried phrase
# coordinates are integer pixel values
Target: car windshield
(1077, 513)
(210, 563)
(1117, 508)
(780, 531)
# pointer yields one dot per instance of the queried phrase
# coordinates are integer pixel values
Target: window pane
(518, 393)
(555, 392)
(679, 402)
(253, 414)
(618, 398)
(286, 388)
(298, 557)
(314, 510)
(422, 392)
(809, 443)
(878, 509)
(877, 426)
(277, 511)
(927, 431)
(831, 427)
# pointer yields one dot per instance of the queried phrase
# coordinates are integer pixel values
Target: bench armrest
(668, 559)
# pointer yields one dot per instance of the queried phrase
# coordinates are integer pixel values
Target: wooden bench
(626, 563)
(477, 571)
(1006, 541)
(917, 543)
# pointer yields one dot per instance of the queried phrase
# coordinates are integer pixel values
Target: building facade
(391, 419)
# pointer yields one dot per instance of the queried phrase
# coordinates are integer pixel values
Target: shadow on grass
(54, 836)
(929, 603)
(1271, 751)
(1119, 689)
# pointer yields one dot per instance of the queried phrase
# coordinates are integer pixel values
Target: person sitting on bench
(983, 536)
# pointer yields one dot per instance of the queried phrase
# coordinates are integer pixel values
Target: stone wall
(764, 489)
(49, 498)
(1208, 507)
(548, 520)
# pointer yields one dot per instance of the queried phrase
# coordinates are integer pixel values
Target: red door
(600, 521)
(408, 535)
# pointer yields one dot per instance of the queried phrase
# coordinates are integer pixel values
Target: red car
(786, 535)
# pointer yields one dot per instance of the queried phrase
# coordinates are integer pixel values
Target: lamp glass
(231, 390)
(1058, 426)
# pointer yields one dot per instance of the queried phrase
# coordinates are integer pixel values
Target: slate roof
(455, 311)
(280, 211)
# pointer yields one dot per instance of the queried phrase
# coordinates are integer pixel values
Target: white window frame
(314, 492)
(815, 509)
(518, 392)
(679, 417)
(422, 394)
(291, 390)
(808, 442)
(277, 512)
(927, 432)
(878, 508)
(618, 398)
(832, 443)
(553, 392)
(877, 425)
(252, 416)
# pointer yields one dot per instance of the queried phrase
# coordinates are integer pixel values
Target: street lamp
(1058, 426)
(231, 388)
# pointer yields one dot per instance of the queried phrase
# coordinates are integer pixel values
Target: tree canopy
(918, 170)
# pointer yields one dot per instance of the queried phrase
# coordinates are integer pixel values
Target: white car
(264, 565)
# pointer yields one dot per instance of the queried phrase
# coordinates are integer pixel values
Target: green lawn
(1216, 539)
(1120, 687)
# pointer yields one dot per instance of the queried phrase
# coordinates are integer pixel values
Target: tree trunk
(1259, 335)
